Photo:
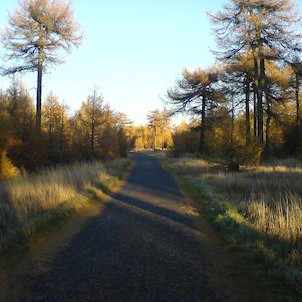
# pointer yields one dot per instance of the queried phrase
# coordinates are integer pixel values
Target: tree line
(247, 106)
(94, 131)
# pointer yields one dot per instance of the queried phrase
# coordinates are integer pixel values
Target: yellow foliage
(7, 169)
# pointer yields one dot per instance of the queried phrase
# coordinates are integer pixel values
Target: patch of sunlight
(189, 210)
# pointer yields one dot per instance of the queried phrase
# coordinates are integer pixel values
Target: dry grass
(258, 212)
(62, 189)
(269, 198)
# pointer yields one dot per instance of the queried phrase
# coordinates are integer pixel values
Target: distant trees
(156, 134)
(37, 29)
(56, 127)
(99, 132)
(93, 132)
(159, 123)
(125, 133)
(144, 138)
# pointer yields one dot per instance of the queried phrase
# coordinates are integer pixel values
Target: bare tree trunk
(155, 138)
(232, 123)
(39, 90)
(298, 119)
(259, 74)
(255, 111)
(201, 147)
(163, 138)
(92, 134)
(267, 133)
(39, 79)
(260, 89)
(297, 90)
(62, 128)
(247, 112)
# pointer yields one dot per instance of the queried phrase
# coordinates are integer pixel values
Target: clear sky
(133, 51)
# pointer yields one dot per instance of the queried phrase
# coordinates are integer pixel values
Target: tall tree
(55, 124)
(237, 79)
(195, 93)
(264, 27)
(91, 116)
(125, 132)
(37, 29)
(296, 67)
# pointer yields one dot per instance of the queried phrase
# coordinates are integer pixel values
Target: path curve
(143, 246)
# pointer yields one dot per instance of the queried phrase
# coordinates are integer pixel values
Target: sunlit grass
(260, 208)
(270, 197)
(54, 192)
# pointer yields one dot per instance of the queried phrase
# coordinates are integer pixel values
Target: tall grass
(56, 190)
(269, 197)
(264, 203)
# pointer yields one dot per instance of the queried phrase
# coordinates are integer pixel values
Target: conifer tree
(37, 30)
(266, 28)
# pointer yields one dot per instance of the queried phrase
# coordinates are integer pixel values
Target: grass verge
(256, 212)
(32, 204)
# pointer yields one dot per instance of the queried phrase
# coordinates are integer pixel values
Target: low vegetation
(259, 211)
(32, 202)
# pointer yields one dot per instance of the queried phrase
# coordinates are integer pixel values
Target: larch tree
(125, 132)
(37, 30)
(237, 78)
(90, 120)
(267, 28)
(55, 124)
(296, 67)
(159, 122)
(195, 93)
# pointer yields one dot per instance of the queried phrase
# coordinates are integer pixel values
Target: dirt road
(143, 245)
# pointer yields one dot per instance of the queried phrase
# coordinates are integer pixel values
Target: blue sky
(133, 51)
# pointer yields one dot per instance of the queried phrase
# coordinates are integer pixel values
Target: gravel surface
(143, 246)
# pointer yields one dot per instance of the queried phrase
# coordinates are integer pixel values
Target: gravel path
(143, 246)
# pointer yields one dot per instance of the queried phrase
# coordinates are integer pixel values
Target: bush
(7, 169)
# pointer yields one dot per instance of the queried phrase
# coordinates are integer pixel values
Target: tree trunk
(155, 138)
(298, 120)
(62, 136)
(247, 111)
(39, 90)
(201, 147)
(297, 102)
(163, 138)
(255, 110)
(267, 133)
(260, 89)
(92, 134)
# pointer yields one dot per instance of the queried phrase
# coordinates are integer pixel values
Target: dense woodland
(243, 109)
(95, 131)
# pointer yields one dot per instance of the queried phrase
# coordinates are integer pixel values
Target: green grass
(33, 203)
(258, 212)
